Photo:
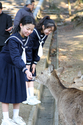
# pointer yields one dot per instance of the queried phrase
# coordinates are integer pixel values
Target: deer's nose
(41, 72)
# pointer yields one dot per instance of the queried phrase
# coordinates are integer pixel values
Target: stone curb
(42, 64)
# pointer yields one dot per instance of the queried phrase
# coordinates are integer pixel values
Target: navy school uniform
(12, 68)
(34, 42)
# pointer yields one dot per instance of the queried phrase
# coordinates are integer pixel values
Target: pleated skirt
(12, 83)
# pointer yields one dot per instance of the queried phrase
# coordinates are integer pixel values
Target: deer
(69, 100)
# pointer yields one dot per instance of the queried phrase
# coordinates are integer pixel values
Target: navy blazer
(12, 51)
(33, 47)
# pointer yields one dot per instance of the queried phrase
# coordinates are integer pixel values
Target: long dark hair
(47, 22)
(25, 20)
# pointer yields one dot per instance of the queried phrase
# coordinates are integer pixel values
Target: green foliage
(81, 1)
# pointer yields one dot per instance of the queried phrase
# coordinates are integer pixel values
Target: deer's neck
(55, 86)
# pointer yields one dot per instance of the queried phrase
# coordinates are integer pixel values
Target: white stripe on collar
(18, 40)
(39, 36)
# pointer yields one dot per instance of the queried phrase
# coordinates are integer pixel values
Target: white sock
(31, 91)
(5, 115)
(27, 93)
(15, 113)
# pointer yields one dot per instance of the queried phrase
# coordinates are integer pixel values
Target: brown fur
(69, 100)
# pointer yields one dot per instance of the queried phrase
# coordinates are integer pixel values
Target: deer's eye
(41, 72)
(74, 82)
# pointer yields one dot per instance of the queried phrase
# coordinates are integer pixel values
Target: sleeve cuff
(28, 63)
(35, 62)
(24, 69)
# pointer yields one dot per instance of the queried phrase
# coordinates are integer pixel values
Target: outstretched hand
(28, 74)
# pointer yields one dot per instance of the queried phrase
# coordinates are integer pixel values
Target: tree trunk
(79, 1)
(69, 7)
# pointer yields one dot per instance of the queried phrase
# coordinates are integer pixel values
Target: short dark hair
(0, 5)
(32, 1)
(29, 2)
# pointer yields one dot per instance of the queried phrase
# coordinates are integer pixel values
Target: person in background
(26, 10)
(13, 70)
(35, 51)
(5, 26)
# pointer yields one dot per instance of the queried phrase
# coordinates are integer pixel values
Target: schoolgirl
(37, 40)
(13, 70)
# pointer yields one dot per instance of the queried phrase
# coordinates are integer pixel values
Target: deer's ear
(59, 71)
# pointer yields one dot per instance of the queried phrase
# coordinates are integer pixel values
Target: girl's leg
(31, 88)
(29, 91)
(32, 100)
(5, 107)
(17, 119)
(6, 120)
(16, 110)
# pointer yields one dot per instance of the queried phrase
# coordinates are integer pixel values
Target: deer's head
(78, 80)
(47, 74)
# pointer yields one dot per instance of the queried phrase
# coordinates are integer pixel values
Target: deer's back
(71, 106)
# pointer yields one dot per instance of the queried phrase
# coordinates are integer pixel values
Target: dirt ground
(70, 52)
(69, 40)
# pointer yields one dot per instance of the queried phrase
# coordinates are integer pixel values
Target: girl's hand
(9, 29)
(28, 67)
(33, 68)
(28, 74)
